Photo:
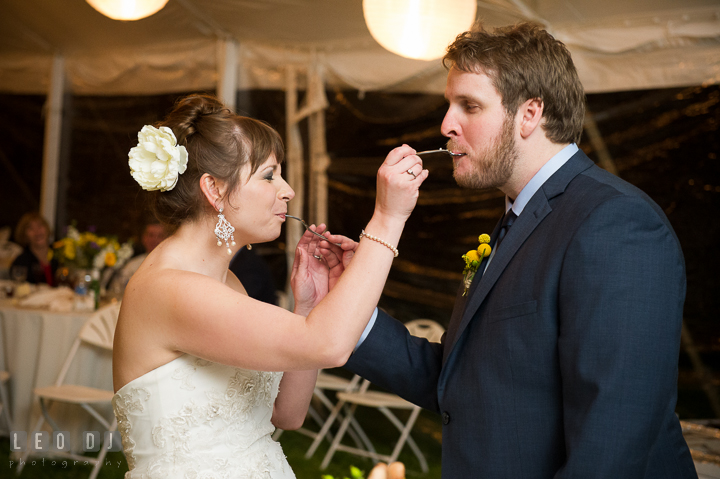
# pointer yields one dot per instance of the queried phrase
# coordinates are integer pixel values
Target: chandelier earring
(224, 232)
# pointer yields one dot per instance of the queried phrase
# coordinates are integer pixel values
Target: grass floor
(383, 435)
(692, 404)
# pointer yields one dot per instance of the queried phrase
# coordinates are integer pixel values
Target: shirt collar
(547, 170)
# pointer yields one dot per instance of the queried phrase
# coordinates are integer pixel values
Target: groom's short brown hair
(524, 61)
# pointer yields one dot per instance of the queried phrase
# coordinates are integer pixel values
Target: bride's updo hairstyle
(219, 143)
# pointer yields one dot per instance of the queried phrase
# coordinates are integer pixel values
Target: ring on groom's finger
(317, 257)
(410, 172)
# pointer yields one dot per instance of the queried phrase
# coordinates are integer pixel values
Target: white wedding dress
(196, 419)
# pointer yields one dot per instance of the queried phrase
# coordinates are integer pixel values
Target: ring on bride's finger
(317, 257)
(410, 172)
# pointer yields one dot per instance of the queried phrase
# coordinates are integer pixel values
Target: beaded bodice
(193, 418)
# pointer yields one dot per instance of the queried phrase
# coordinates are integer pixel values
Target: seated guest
(152, 235)
(33, 234)
(8, 252)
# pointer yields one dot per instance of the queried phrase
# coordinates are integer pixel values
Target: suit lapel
(534, 212)
(516, 236)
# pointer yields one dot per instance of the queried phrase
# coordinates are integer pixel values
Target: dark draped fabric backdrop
(664, 141)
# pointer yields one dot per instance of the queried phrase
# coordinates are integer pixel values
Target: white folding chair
(330, 382)
(4, 399)
(98, 332)
(384, 402)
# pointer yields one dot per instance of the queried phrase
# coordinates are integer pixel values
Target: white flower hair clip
(157, 160)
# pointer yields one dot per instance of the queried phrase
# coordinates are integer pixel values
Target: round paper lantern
(127, 9)
(419, 29)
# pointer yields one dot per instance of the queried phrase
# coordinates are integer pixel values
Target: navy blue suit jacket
(562, 360)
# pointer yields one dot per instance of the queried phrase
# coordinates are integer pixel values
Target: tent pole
(227, 72)
(294, 168)
(319, 162)
(319, 159)
(51, 146)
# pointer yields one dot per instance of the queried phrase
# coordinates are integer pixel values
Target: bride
(202, 372)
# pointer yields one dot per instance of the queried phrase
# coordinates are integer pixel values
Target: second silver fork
(307, 228)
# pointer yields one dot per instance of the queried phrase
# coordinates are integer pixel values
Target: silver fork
(307, 228)
(441, 150)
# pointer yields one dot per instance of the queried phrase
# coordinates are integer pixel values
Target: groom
(561, 360)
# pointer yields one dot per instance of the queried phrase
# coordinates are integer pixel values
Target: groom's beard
(494, 164)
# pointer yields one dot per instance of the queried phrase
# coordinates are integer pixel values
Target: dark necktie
(507, 222)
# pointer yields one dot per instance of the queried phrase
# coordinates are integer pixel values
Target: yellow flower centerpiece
(84, 256)
(473, 258)
(89, 251)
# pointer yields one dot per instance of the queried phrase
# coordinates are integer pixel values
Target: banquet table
(34, 344)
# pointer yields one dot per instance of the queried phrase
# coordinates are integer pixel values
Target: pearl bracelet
(384, 243)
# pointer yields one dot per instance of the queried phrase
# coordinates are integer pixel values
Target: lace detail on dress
(257, 389)
(123, 405)
(178, 433)
(184, 373)
(203, 421)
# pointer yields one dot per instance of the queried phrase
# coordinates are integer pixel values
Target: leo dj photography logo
(58, 443)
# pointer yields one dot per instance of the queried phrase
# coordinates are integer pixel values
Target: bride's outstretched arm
(219, 324)
(360, 286)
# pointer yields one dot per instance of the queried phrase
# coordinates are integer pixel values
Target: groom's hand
(336, 257)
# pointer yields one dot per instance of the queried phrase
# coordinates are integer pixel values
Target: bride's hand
(336, 257)
(397, 189)
(309, 277)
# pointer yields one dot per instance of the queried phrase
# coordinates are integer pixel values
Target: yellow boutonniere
(473, 258)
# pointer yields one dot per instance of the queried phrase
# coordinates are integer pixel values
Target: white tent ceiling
(616, 44)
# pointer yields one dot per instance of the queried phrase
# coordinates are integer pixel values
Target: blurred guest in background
(255, 274)
(33, 234)
(8, 252)
(153, 234)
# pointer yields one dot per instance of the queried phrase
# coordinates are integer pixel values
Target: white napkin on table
(54, 299)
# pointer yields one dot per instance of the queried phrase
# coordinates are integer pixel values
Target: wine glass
(19, 273)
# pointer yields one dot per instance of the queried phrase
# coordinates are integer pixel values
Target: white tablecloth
(33, 347)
